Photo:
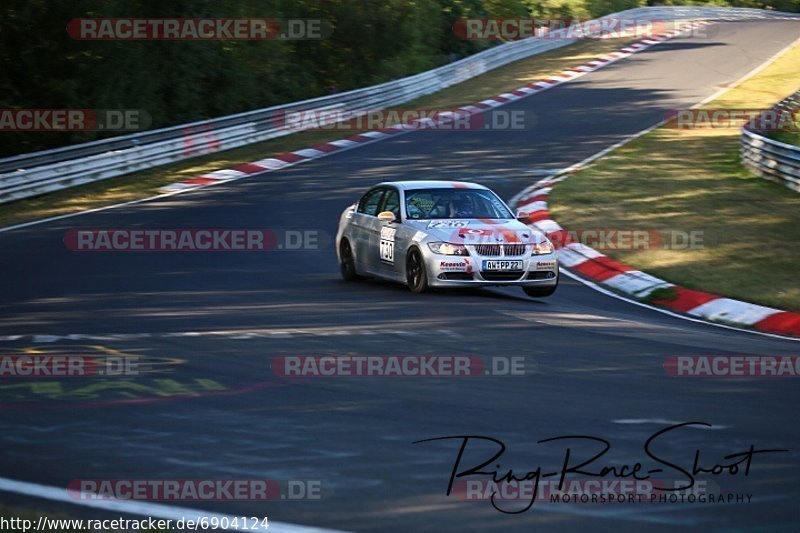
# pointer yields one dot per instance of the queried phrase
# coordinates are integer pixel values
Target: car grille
(488, 249)
(501, 276)
(493, 250)
(541, 274)
(456, 276)
(513, 249)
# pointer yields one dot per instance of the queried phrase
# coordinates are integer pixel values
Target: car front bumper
(452, 271)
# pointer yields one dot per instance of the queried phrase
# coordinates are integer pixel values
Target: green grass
(146, 183)
(788, 137)
(692, 180)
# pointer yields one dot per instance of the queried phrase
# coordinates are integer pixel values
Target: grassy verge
(788, 137)
(691, 180)
(146, 183)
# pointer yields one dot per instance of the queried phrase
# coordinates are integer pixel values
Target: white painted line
(533, 207)
(752, 72)
(601, 153)
(636, 283)
(263, 162)
(565, 174)
(179, 186)
(374, 134)
(664, 422)
(271, 163)
(613, 294)
(224, 174)
(548, 225)
(342, 143)
(491, 103)
(309, 153)
(570, 257)
(154, 510)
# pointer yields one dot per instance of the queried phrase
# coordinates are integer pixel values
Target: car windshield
(454, 203)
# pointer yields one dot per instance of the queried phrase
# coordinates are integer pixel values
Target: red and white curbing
(578, 258)
(601, 269)
(321, 150)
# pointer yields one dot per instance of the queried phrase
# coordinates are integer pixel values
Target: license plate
(502, 265)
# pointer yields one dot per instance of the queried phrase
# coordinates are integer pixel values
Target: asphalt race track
(210, 323)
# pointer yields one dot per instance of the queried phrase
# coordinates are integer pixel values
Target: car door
(365, 223)
(385, 235)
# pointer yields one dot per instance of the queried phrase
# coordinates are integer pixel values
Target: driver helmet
(461, 207)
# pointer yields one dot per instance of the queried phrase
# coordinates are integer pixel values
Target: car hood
(477, 231)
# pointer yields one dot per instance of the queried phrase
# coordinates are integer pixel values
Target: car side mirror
(522, 215)
(387, 216)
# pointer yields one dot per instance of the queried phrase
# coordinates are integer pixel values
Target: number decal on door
(387, 245)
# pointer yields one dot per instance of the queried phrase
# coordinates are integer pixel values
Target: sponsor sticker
(455, 266)
(444, 224)
(387, 244)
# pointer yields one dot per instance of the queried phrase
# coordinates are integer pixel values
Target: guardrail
(51, 170)
(771, 159)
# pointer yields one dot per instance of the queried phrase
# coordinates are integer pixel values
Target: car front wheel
(416, 275)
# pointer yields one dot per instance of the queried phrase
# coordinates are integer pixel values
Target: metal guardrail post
(51, 170)
(771, 159)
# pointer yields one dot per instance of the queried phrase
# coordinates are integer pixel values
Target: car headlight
(542, 248)
(447, 248)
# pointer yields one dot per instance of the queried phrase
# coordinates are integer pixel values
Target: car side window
(391, 202)
(369, 202)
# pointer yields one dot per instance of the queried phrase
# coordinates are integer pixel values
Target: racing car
(443, 234)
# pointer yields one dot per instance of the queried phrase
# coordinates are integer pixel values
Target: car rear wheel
(347, 264)
(416, 275)
(540, 292)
